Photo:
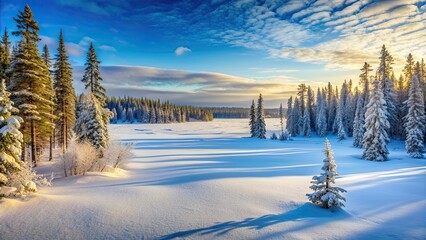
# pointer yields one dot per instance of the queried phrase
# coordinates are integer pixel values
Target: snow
(206, 180)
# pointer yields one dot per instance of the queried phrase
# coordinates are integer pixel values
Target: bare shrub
(116, 155)
(79, 159)
(84, 157)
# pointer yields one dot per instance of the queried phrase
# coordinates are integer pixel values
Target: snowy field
(207, 181)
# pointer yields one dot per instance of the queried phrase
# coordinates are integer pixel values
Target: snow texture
(208, 180)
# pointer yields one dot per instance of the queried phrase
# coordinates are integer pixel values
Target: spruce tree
(343, 107)
(65, 96)
(281, 114)
(415, 119)
(253, 119)
(332, 110)
(90, 125)
(10, 137)
(321, 116)
(325, 194)
(376, 125)
(296, 118)
(302, 92)
(92, 76)
(260, 119)
(289, 115)
(341, 133)
(30, 84)
(5, 56)
(358, 127)
(306, 129)
(384, 73)
(46, 58)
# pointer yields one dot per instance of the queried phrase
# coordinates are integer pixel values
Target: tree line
(38, 105)
(143, 110)
(235, 112)
(380, 108)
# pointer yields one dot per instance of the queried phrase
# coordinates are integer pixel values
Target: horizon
(199, 53)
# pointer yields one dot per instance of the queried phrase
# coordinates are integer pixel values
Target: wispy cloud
(181, 51)
(202, 88)
(107, 48)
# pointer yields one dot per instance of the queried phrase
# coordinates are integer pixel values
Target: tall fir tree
(302, 93)
(30, 84)
(310, 104)
(289, 116)
(65, 96)
(5, 56)
(90, 125)
(306, 128)
(376, 124)
(384, 73)
(415, 119)
(359, 122)
(260, 119)
(10, 138)
(322, 116)
(332, 110)
(325, 193)
(46, 58)
(92, 76)
(296, 118)
(281, 115)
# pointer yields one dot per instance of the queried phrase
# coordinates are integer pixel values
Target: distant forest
(143, 110)
(234, 112)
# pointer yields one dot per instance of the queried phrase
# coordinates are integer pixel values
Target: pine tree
(317, 109)
(30, 84)
(401, 97)
(253, 119)
(343, 107)
(281, 113)
(310, 104)
(321, 116)
(46, 58)
(296, 118)
(332, 109)
(289, 120)
(65, 96)
(376, 125)
(10, 137)
(260, 119)
(306, 129)
(5, 56)
(415, 119)
(90, 125)
(325, 194)
(359, 122)
(302, 92)
(341, 133)
(387, 85)
(409, 70)
(92, 76)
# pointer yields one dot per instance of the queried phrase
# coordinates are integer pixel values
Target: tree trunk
(33, 144)
(51, 147)
(24, 147)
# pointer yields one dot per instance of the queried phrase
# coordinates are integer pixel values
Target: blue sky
(224, 53)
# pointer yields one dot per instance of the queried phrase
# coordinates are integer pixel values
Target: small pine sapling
(325, 194)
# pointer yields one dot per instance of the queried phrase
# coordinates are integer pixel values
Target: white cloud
(74, 49)
(107, 48)
(181, 51)
(85, 41)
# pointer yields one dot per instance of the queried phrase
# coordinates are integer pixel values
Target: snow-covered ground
(207, 181)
